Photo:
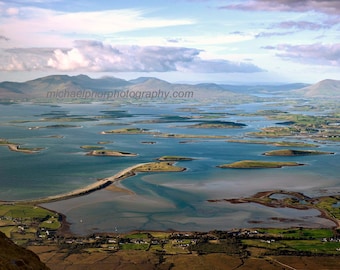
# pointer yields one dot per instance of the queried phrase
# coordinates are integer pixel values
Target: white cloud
(323, 6)
(34, 26)
(12, 11)
(95, 56)
(318, 53)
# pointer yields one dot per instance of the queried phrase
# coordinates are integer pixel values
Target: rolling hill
(325, 88)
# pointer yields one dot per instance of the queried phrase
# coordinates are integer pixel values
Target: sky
(231, 41)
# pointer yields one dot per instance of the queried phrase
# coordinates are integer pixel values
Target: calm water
(161, 200)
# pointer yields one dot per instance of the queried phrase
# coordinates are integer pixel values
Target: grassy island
(91, 147)
(148, 142)
(192, 136)
(129, 131)
(112, 153)
(159, 167)
(217, 124)
(258, 164)
(104, 142)
(289, 152)
(174, 158)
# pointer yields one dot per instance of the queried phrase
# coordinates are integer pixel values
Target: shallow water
(161, 200)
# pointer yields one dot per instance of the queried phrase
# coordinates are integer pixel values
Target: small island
(174, 158)
(258, 164)
(110, 153)
(159, 167)
(290, 152)
(91, 147)
(192, 136)
(217, 124)
(104, 142)
(129, 131)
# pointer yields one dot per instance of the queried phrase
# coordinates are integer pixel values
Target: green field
(298, 233)
(138, 236)
(24, 211)
(132, 246)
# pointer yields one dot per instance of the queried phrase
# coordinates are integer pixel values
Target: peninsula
(15, 147)
(296, 200)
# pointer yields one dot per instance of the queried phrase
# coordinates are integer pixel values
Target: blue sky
(241, 41)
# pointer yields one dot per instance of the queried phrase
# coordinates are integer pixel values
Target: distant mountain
(325, 88)
(38, 88)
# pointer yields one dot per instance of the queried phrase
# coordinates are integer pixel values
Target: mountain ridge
(39, 87)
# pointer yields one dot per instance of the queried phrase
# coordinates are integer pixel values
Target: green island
(104, 142)
(159, 167)
(290, 152)
(192, 136)
(113, 153)
(129, 131)
(53, 136)
(217, 124)
(258, 164)
(91, 147)
(275, 143)
(174, 158)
